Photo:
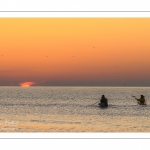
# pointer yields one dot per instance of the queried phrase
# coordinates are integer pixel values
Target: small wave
(29, 105)
(38, 121)
(65, 122)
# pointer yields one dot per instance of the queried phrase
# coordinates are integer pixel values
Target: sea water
(73, 109)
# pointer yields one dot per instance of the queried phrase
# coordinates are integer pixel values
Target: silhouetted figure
(141, 101)
(103, 101)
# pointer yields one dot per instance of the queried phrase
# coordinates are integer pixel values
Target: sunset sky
(75, 51)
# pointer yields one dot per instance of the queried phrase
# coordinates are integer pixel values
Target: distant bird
(1, 55)
(72, 56)
(93, 47)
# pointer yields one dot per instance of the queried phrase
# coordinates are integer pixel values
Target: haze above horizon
(75, 51)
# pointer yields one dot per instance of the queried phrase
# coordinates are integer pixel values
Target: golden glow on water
(116, 125)
(69, 109)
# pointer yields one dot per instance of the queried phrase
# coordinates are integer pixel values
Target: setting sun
(27, 84)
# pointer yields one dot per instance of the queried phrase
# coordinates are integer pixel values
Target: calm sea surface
(70, 109)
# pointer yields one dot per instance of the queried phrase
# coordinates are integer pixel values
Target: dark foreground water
(70, 109)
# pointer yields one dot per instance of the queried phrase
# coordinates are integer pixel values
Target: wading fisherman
(103, 101)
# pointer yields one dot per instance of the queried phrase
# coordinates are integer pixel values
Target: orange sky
(75, 51)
